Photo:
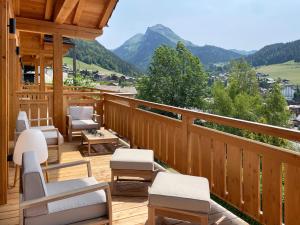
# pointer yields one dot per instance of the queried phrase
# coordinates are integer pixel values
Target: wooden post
(12, 85)
(18, 74)
(74, 65)
(36, 73)
(58, 82)
(42, 73)
(3, 100)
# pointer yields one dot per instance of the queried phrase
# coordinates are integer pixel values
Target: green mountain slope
(289, 70)
(139, 49)
(84, 66)
(276, 53)
(92, 52)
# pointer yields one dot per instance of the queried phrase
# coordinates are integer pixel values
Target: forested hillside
(276, 53)
(92, 52)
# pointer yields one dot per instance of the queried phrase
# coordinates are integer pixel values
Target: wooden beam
(32, 51)
(63, 9)
(16, 5)
(58, 82)
(80, 6)
(3, 100)
(49, 9)
(111, 4)
(40, 26)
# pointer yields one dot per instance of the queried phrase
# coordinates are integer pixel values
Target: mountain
(243, 52)
(138, 50)
(92, 52)
(276, 53)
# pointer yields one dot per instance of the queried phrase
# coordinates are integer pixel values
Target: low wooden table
(92, 139)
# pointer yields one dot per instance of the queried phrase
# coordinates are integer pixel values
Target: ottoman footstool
(180, 197)
(138, 163)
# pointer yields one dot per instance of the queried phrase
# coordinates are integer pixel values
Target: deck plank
(126, 210)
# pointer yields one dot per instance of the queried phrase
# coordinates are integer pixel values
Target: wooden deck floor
(126, 210)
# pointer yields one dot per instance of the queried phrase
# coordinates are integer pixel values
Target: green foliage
(276, 53)
(92, 52)
(241, 99)
(176, 78)
(81, 81)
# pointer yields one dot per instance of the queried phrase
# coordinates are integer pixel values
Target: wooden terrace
(260, 180)
(126, 210)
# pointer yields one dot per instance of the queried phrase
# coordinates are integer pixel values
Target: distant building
(288, 91)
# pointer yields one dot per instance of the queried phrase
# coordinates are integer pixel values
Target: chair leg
(112, 181)
(47, 177)
(70, 134)
(17, 168)
(151, 216)
(58, 154)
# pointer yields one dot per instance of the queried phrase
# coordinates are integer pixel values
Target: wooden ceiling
(72, 18)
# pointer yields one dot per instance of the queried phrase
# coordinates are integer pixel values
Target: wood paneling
(292, 194)
(271, 194)
(251, 184)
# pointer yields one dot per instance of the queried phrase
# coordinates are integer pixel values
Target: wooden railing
(36, 104)
(259, 179)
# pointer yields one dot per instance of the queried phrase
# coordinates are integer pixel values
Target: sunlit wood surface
(126, 210)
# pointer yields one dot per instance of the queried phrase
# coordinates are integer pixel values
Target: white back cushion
(81, 112)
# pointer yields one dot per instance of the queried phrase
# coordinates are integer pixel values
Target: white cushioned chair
(64, 202)
(81, 118)
(53, 137)
(180, 197)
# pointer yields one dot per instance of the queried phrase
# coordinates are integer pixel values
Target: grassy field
(289, 70)
(83, 66)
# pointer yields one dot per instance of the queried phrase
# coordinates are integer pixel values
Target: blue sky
(239, 24)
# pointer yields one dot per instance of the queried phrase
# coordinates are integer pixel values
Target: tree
(175, 77)
(241, 99)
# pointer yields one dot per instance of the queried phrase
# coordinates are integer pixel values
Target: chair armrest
(68, 194)
(96, 117)
(70, 164)
(51, 129)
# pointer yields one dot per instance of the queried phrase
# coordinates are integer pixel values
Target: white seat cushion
(79, 208)
(84, 124)
(180, 192)
(52, 139)
(132, 159)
